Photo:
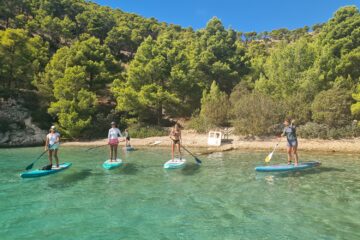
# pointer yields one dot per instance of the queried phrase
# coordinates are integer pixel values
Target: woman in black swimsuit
(175, 136)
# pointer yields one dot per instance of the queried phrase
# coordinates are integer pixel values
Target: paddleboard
(113, 164)
(129, 148)
(40, 172)
(155, 143)
(176, 163)
(287, 167)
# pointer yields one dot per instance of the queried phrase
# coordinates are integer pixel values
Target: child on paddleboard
(292, 143)
(175, 135)
(52, 144)
(113, 141)
(127, 138)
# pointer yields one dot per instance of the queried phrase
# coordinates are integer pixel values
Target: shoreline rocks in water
(16, 126)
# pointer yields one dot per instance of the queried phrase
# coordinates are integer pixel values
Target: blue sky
(242, 15)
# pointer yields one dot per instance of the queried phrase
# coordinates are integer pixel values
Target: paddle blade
(29, 167)
(198, 161)
(268, 158)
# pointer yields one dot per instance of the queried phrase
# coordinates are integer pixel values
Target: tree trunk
(159, 113)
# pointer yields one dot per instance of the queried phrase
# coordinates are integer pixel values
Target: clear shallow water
(223, 199)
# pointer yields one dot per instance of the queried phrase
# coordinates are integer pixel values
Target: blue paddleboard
(176, 163)
(40, 172)
(114, 164)
(287, 167)
(129, 148)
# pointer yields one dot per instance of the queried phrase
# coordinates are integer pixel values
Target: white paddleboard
(129, 148)
(176, 163)
(155, 143)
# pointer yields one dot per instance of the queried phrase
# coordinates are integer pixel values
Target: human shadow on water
(317, 170)
(190, 169)
(129, 169)
(71, 179)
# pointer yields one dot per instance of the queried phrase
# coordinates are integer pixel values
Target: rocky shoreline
(18, 130)
(16, 126)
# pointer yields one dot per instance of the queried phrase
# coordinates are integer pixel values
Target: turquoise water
(222, 199)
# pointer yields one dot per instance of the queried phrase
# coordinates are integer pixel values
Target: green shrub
(313, 130)
(101, 124)
(332, 107)
(199, 124)
(257, 114)
(140, 131)
(215, 106)
(298, 106)
(323, 131)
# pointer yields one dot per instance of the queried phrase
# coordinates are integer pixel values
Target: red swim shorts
(114, 142)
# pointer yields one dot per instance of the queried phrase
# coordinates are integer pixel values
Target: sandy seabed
(190, 139)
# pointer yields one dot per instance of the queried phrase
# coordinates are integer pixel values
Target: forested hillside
(90, 64)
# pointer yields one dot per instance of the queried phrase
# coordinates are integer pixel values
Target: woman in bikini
(175, 136)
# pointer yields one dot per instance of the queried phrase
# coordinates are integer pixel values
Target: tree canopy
(86, 61)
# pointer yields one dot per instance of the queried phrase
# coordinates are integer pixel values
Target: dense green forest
(88, 64)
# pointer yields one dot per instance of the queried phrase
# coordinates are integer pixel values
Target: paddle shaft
(196, 158)
(32, 164)
(276, 146)
(268, 158)
(96, 147)
(187, 151)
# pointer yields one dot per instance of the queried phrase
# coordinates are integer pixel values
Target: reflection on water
(190, 169)
(224, 198)
(316, 170)
(71, 179)
(129, 168)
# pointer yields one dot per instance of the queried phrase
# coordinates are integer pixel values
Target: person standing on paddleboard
(113, 141)
(292, 143)
(52, 144)
(127, 138)
(175, 136)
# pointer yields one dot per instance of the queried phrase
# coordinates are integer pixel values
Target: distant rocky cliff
(16, 126)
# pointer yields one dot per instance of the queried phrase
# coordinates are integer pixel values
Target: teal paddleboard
(287, 167)
(176, 163)
(129, 148)
(112, 164)
(40, 172)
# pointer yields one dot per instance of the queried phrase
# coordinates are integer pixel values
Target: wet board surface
(287, 167)
(40, 172)
(112, 164)
(176, 163)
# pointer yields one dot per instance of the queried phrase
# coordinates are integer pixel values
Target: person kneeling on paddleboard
(113, 141)
(292, 143)
(175, 136)
(52, 144)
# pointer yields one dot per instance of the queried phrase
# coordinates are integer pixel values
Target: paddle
(32, 164)
(97, 147)
(268, 158)
(155, 143)
(198, 161)
(121, 140)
